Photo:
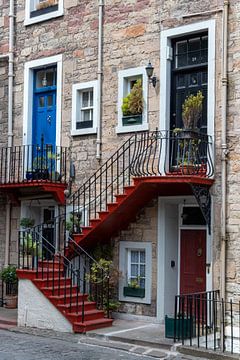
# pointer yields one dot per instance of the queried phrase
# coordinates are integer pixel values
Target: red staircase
(136, 173)
(50, 278)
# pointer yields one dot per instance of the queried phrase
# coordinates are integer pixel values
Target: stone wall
(143, 229)
(131, 37)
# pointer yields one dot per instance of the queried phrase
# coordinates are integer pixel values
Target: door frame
(30, 66)
(179, 202)
(166, 37)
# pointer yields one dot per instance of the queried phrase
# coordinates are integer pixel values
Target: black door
(189, 75)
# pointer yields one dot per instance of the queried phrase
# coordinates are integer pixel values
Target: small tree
(192, 110)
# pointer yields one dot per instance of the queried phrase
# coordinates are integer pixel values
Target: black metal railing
(62, 277)
(142, 155)
(28, 163)
(7, 289)
(205, 320)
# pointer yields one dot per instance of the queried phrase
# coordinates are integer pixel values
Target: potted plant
(192, 112)
(132, 106)
(102, 280)
(44, 7)
(133, 289)
(9, 277)
(27, 223)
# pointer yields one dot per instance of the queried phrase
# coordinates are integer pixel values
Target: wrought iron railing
(70, 279)
(28, 163)
(7, 289)
(205, 320)
(148, 154)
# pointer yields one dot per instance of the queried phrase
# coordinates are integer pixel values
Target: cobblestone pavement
(22, 346)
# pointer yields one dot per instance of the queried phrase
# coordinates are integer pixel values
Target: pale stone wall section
(34, 310)
(143, 229)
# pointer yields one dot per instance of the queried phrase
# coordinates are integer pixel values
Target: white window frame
(165, 75)
(122, 92)
(76, 90)
(125, 247)
(44, 17)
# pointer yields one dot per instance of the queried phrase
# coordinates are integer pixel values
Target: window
(135, 263)
(41, 10)
(137, 267)
(132, 118)
(84, 108)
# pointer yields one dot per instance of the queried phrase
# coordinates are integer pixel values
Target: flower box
(185, 328)
(133, 292)
(132, 120)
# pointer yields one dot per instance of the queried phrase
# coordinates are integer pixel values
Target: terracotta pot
(10, 302)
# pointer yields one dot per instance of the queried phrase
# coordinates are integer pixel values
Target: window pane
(142, 283)
(91, 98)
(45, 78)
(142, 270)
(50, 100)
(85, 99)
(41, 101)
(86, 115)
(134, 256)
(142, 257)
(134, 270)
(182, 47)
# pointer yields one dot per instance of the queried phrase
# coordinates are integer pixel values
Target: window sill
(44, 17)
(133, 128)
(83, 131)
(132, 299)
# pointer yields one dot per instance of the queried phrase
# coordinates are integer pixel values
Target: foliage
(135, 283)
(100, 273)
(27, 222)
(133, 102)
(74, 223)
(29, 246)
(46, 4)
(102, 251)
(8, 274)
(192, 110)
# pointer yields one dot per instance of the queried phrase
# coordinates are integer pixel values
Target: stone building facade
(133, 33)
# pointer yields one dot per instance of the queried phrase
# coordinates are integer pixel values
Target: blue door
(44, 107)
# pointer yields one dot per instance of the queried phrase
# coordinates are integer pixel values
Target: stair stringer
(36, 310)
(54, 304)
(122, 212)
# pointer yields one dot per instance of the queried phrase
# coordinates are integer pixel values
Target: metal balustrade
(33, 163)
(205, 320)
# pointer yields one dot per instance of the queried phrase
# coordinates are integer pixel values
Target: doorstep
(8, 318)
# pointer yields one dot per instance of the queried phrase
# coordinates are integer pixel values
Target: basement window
(41, 10)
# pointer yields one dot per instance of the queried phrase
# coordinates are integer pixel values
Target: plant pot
(132, 120)
(133, 292)
(183, 328)
(187, 169)
(10, 301)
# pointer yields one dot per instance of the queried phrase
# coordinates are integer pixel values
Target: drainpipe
(224, 149)
(10, 73)
(10, 119)
(99, 75)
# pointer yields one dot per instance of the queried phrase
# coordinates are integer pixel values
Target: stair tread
(75, 304)
(94, 322)
(74, 287)
(63, 296)
(7, 321)
(86, 312)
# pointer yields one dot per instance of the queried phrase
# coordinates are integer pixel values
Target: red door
(193, 261)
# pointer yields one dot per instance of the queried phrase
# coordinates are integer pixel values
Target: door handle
(49, 119)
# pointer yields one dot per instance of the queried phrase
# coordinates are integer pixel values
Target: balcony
(33, 169)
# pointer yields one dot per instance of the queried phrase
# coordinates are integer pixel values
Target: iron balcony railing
(70, 279)
(33, 163)
(149, 154)
(205, 320)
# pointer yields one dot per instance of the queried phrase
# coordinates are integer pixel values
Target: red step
(62, 299)
(59, 290)
(88, 315)
(79, 327)
(46, 282)
(88, 305)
